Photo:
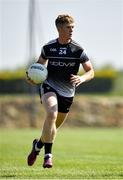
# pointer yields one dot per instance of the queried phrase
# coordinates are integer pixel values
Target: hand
(29, 80)
(77, 80)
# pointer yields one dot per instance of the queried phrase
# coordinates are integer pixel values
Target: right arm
(42, 60)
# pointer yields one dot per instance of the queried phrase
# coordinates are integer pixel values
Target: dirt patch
(27, 111)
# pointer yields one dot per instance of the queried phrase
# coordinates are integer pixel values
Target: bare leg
(49, 101)
(60, 119)
(53, 120)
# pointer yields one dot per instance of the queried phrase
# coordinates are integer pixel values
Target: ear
(59, 27)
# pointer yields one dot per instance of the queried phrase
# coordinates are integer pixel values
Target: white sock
(49, 155)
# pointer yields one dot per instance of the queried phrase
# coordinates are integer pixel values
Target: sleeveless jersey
(63, 60)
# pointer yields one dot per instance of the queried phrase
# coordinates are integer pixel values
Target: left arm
(88, 75)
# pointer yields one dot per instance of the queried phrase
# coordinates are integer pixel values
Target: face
(66, 30)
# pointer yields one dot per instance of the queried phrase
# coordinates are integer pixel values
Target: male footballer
(63, 57)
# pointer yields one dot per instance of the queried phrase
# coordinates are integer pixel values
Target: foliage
(118, 84)
(105, 73)
(20, 74)
(15, 74)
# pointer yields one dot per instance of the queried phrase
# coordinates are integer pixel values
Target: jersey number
(62, 51)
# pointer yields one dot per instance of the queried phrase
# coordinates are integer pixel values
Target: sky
(98, 29)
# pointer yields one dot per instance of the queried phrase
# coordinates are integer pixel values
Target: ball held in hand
(37, 73)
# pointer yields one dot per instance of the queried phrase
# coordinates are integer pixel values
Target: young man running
(63, 57)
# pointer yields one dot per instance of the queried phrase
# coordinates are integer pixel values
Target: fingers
(76, 80)
(28, 79)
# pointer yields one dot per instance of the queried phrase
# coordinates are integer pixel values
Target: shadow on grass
(7, 176)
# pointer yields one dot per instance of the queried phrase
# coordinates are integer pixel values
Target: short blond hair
(63, 19)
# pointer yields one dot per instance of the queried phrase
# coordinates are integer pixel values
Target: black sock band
(48, 148)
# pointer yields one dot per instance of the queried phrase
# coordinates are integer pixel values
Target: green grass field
(86, 153)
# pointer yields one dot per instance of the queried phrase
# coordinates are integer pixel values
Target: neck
(63, 40)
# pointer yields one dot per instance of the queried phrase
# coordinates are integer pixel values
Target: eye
(70, 27)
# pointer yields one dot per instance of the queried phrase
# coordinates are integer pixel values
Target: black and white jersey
(63, 60)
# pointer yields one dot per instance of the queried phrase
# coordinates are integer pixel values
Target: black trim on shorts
(64, 103)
